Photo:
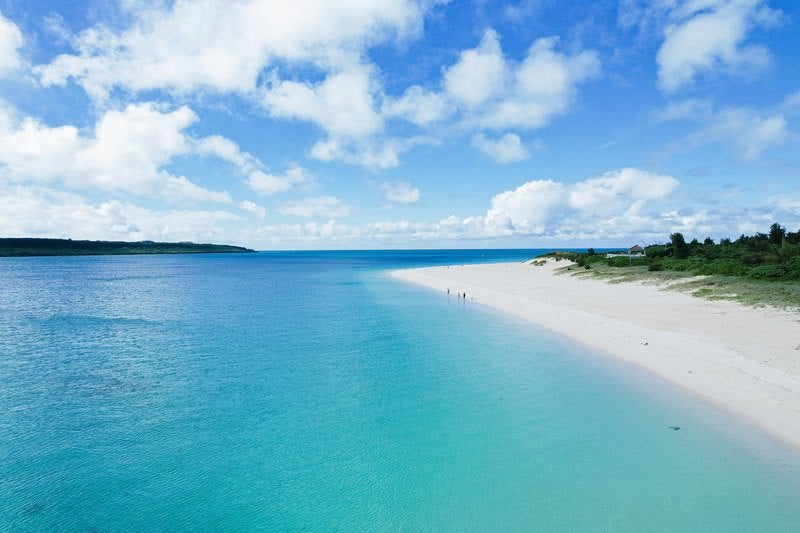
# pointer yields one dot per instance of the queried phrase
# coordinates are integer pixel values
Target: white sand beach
(745, 360)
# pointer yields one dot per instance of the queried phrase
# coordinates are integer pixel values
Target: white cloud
(693, 108)
(709, 35)
(42, 212)
(618, 190)
(483, 89)
(546, 206)
(417, 105)
(544, 86)
(381, 154)
(10, 43)
(247, 205)
(400, 193)
(127, 151)
(178, 188)
(529, 208)
(269, 184)
(750, 132)
(498, 93)
(320, 206)
(224, 46)
(227, 150)
(342, 105)
(320, 46)
(9, 118)
(227, 47)
(480, 73)
(615, 205)
(506, 149)
(791, 104)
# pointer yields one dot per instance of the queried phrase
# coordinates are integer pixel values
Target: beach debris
(674, 428)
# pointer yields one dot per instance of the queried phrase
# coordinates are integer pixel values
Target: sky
(380, 124)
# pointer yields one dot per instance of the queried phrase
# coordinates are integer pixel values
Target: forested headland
(23, 247)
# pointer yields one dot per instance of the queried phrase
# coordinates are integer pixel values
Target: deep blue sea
(309, 391)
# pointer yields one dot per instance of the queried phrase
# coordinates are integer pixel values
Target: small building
(636, 250)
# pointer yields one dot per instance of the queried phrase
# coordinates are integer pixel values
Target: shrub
(722, 267)
(619, 261)
(769, 272)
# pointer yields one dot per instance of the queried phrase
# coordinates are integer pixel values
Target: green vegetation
(19, 247)
(760, 269)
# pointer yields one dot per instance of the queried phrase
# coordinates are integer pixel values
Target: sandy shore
(745, 360)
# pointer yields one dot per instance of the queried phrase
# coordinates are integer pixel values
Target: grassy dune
(780, 294)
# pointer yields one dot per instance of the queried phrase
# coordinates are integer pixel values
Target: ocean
(310, 391)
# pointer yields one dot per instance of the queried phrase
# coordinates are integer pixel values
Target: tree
(679, 248)
(776, 234)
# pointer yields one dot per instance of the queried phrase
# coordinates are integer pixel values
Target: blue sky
(398, 123)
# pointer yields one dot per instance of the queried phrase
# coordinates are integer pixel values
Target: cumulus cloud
(127, 151)
(308, 61)
(481, 89)
(43, 212)
(479, 74)
(486, 90)
(544, 85)
(546, 206)
(497, 93)
(529, 208)
(223, 45)
(342, 105)
(269, 184)
(417, 105)
(506, 149)
(613, 206)
(226, 47)
(320, 206)
(10, 43)
(626, 203)
(400, 193)
(708, 35)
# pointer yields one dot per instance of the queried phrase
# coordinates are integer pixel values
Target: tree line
(770, 256)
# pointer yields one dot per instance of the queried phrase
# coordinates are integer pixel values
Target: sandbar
(744, 360)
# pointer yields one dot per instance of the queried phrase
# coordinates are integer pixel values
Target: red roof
(636, 248)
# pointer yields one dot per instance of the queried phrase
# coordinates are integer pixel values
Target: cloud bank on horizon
(398, 123)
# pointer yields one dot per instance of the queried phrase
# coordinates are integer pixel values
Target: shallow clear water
(310, 391)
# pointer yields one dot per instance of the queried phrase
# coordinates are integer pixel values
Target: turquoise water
(310, 391)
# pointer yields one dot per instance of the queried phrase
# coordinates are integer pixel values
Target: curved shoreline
(745, 360)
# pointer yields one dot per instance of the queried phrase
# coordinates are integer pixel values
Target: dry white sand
(744, 360)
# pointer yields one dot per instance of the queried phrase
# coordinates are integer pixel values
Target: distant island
(24, 247)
